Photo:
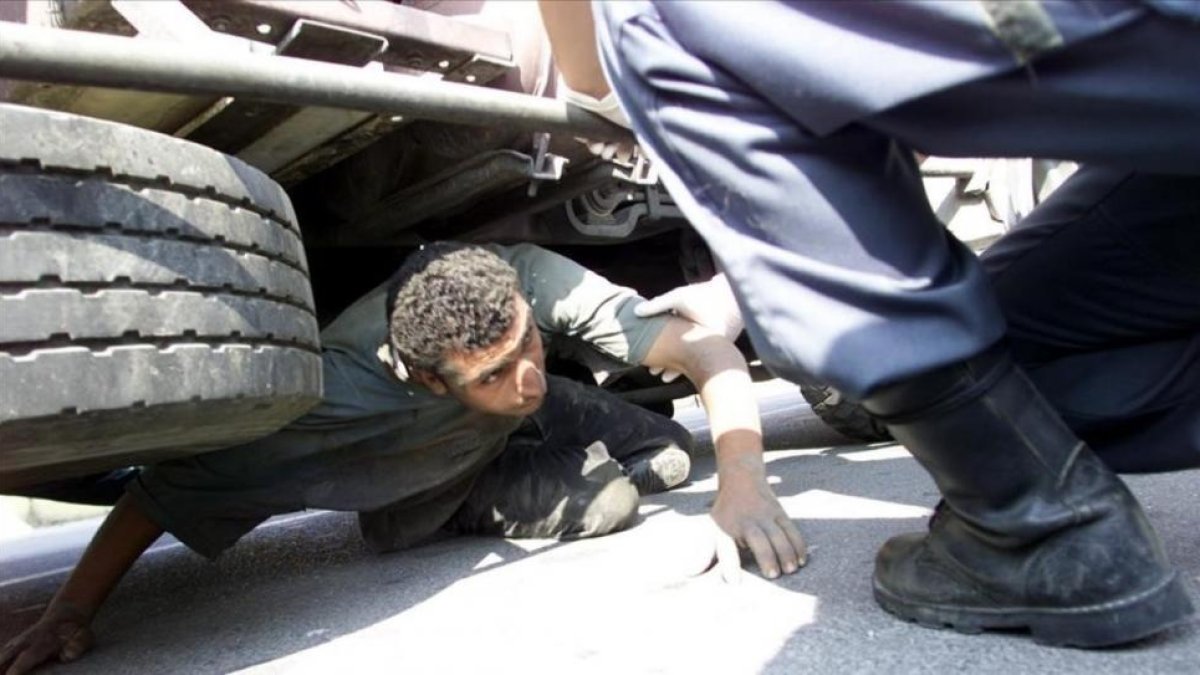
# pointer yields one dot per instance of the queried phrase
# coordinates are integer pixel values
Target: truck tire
(845, 417)
(154, 299)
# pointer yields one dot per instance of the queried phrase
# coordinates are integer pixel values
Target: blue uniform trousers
(1100, 286)
(786, 131)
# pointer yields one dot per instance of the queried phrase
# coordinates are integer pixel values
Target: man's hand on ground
(748, 515)
(64, 632)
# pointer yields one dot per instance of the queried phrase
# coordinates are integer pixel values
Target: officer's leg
(841, 268)
(1105, 312)
(1101, 289)
(843, 271)
(1123, 99)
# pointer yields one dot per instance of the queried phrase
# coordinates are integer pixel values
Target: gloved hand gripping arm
(710, 304)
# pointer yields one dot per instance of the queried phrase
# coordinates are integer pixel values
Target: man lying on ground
(438, 416)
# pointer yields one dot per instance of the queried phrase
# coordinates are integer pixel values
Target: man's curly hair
(448, 297)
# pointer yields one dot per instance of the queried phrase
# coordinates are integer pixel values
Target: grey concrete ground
(302, 595)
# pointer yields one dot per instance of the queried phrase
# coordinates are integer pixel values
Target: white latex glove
(609, 109)
(710, 304)
(606, 107)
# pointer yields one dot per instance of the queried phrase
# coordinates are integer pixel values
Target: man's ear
(431, 381)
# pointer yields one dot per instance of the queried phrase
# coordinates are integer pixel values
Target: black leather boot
(1033, 532)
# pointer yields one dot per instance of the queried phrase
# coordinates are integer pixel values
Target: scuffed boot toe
(911, 583)
(917, 581)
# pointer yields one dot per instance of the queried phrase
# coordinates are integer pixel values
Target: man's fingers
(34, 653)
(793, 534)
(785, 551)
(764, 553)
(729, 560)
(10, 655)
(77, 646)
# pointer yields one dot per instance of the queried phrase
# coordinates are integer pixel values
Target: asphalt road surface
(302, 594)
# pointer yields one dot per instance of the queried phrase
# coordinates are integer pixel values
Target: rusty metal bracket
(640, 172)
(481, 69)
(320, 41)
(546, 165)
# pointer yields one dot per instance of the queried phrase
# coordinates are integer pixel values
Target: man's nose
(531, 382)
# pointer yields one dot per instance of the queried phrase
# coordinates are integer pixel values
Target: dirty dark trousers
(1033, 531)
(565, 473)
(573, 469)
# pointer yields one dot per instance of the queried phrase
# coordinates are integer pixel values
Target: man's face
(506, 378)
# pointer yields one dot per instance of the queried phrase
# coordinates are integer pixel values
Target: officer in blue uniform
(787, 131)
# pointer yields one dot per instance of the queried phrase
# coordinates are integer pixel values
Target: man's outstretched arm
(746, 509)
(64, 630)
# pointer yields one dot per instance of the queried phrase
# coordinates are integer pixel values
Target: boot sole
(1104, 625)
